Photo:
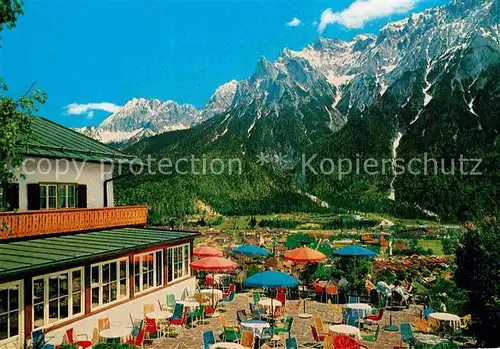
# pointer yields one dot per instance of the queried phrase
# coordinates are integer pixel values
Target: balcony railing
(48, 222)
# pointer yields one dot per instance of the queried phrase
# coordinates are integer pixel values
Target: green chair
(372, 338)
(232, 334)
(197, 315)
(287, 328)
(291, 343)
(170, 301)
(256, 298)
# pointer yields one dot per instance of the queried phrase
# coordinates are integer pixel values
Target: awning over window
(35, 255)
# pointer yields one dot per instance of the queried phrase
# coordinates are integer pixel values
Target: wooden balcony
(48, 222)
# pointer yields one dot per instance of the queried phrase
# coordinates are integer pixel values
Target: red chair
(210, 311)
(209, 280)
(282, 298)
(342, 341)
(319, 291)
(150, 327)
(231, 288)
(70, 333)
(137, 341)
(316, 336)
(376, 317)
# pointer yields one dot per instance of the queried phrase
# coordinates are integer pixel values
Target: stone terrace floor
(192, 337)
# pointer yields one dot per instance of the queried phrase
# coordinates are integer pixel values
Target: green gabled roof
(56, 141)
(18, 257)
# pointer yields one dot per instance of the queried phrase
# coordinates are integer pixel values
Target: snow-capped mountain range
(331, 81)
(142, 117)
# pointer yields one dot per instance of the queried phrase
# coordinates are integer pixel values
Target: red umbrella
(304, 255)
(206, 251)
(213, 264)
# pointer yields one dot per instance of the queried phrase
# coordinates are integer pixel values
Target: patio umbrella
(213, 264)
(206, 251)
(304, 255)
(271, 279)
(355, 251)
(251, 250)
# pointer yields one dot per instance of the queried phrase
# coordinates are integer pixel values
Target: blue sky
(98, 54)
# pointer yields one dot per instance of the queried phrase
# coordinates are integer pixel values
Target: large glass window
(10, 311)
(148, 270)
(109, 282)
(57, 297)
(57, 196)
(178, 260)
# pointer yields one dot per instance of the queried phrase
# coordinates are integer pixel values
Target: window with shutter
(81, 195)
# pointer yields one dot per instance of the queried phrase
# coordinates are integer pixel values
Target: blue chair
(407, 334)
(256, 311)
(353, 299)
(353, 319)
(428, 311)
(179, 309)
(291, 343)
(208, 339)
(137, 327)
(39, 340)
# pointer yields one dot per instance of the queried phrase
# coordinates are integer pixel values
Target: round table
(267, 303)
(159, 315)
(192, 305)
(226, 345)
(256, 326)
(454, 320)
(346, 329)
(115, 332)
(361, 309)
(217, 293)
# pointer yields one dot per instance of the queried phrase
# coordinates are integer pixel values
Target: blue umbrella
(271, 279)
(355, 251)
(251, 250)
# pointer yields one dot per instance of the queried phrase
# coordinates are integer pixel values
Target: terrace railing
(48, 222)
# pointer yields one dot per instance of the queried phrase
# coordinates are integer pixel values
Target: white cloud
(362, 11)
(78, 109)
(294, 22)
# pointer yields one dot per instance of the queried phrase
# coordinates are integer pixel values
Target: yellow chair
(421, 325)
(337, 312)
(103, 323)
(465, 321)
(247, 339)
(148, 308)
(318, 323)
(328, 342)
(96, 338)
(294, 307)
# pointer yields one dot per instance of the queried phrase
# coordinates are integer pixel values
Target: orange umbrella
(206, 251)
(304, 255)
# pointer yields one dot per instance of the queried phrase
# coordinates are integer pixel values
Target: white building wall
(43, 170)
(119, 315)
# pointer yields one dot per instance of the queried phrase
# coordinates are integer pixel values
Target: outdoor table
(217, 294)
(346, 329)
(226, 345)
(115, 333)
(361, 309)
(192, 305)
(256, 326)
(454, 320)
(159, 315)
(428, 339)
(267, 303)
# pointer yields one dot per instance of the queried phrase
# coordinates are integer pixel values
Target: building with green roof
(68, 256)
